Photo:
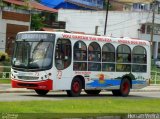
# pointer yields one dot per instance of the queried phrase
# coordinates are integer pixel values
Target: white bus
(45, 61)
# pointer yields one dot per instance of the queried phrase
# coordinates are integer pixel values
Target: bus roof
(86, 37)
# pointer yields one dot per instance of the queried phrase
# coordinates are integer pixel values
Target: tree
(105, 5)
(36, 21)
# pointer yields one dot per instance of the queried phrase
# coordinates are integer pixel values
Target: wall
(3, 29)
(120, 23)
(15, 16)
(2, 33)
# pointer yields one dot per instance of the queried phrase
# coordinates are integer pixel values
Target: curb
(32, 91)
(17, 91)
(150, 88)
(136, 90)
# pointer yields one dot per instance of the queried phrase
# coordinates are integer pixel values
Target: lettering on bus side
(90, 38)
(82, 72)
(138, 43)
(132, 42)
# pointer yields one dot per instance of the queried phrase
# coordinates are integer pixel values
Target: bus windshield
(33, 55)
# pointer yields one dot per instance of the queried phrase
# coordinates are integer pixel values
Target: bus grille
(28, 77)
(27, 85)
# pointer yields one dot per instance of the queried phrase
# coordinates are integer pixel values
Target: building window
(100, 2)
(63, 54)
(158, 57)
(142, 30)
(139, 59)
(123, 58)
(94, 57)
(156, 29)
(140, 6)
(148, 29)
(80, 56)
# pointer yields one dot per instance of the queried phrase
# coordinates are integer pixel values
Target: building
(74, 4)
(135, 5)
(120, 24)
(15, 17)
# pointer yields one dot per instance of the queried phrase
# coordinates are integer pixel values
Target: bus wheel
(125, 87)
(42, 92)
(76, 88)
(92, 92)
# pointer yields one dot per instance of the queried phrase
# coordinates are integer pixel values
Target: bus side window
(80, 56)
(63, 54)
(139, 59)
(94, 57)
(123, 57)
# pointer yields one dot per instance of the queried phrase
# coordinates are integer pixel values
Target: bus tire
(76, 88)
(92, 92)
(41, 92)
(125, 87)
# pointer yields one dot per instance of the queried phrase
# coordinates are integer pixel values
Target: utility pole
(153, 16)
(152, 28)
(96, 30)
(106, 17)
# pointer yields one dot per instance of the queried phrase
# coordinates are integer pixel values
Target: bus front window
(41, 55)
(33, 55)
(21, 55)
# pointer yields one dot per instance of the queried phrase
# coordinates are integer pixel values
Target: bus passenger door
(62, 62)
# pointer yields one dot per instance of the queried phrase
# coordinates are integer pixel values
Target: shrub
(4, 56)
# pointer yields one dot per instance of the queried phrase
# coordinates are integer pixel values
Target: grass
(83, 107)
(5, 81)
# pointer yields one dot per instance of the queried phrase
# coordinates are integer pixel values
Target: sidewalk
(6, 88)
(151, 88)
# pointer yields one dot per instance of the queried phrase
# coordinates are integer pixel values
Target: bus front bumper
(38, 85)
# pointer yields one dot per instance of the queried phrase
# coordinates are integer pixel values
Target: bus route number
(59, 74)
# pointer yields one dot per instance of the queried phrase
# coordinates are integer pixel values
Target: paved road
(5, 86)
(62, 96)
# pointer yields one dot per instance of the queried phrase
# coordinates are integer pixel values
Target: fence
(155, 77)
(5, 72)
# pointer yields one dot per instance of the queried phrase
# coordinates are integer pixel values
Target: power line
(148, 16)
(121, 22)
(123, 27)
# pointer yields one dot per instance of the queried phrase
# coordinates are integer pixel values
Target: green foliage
(5, 81)
(83, 106)
(4, 56)
(2, 4)
(105, 5)
(36, 21)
